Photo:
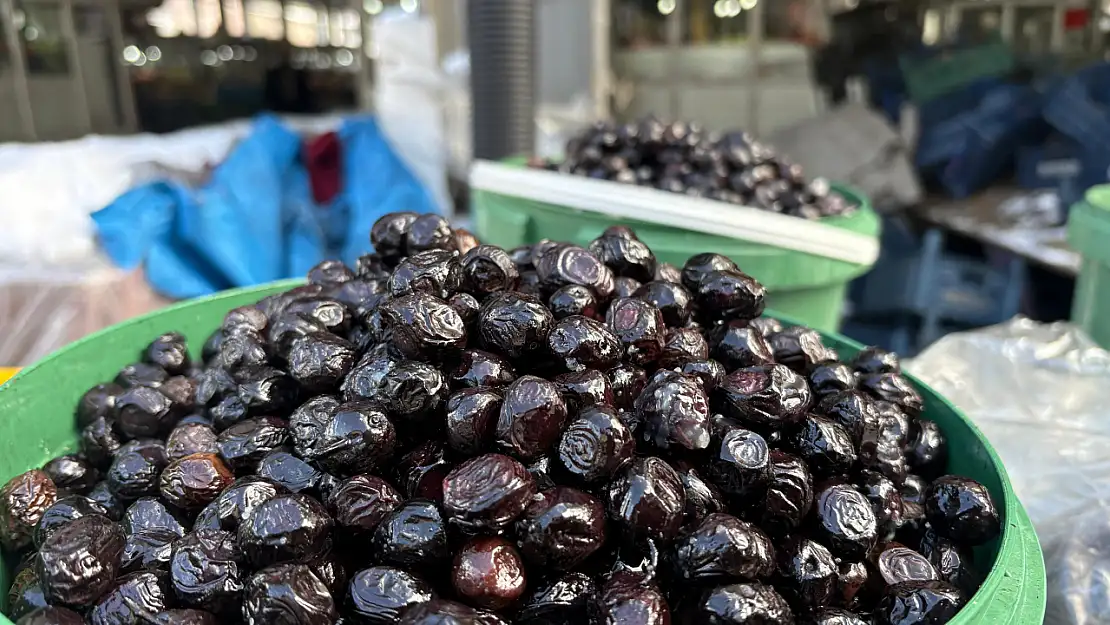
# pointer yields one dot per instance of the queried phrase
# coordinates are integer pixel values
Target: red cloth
(323, 157)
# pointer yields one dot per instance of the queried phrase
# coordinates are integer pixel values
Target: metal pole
(76, 68)
(601, 78)
(19, 72)
(124, 87)
(756, 28)
(502, 35)
(673, 32)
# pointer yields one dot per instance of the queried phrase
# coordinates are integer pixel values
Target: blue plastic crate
(1046, 166)
(1080, 106)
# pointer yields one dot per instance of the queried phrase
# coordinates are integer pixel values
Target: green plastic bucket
(1088, 232)
(806, 287)
(38, 423)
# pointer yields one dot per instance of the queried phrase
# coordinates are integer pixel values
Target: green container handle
(37, 424)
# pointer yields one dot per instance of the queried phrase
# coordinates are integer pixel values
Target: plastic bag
(44, 308)
(1038, 392)
(407, 98)
(255, 220)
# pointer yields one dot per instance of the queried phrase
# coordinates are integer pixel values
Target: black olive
(962, 509)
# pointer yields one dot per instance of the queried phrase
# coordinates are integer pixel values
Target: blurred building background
(73, 67)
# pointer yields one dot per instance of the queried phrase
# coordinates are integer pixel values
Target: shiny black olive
(740, 463)
(789, 495)
(647, 499)
(583, 343)
(639, 327)
(627, 381)
(897, 563)
(626, 257)
(330, 273)
(245, 443)
(472, 415)
(808, 572)
(625, 287)
(514, 324)
(911, 603)
(432, 272)
(380, 594)
(320, 362)
(736, 604)
(927, 450)
(596, 445)
(767, 396)
(478, 368)
(845, 521)
(266, 390)
(568, 599)
(682, 346)
(287, 594)
(422, 327)
(532, 418)
(413, 535)
(206, 572)
(570, 264)
(722, 547)
(895, 388)
(134, 472)
(674, 412)
(630, 597)
(582, 389)
(389, 233)
(97, 402)
(489, 573)
(142, 411)
(560, 528)
(132, 598)
(886, 500)
(361, 503)
(71, 474)
(710, 372)
(285, 528)
(289, 471)
(571, 300)
(237, 502)
(141, 374)
(487, 492)
(697, 267)
(672, 300)
(77, 564)
(420, 473)
(824, 445)
(953, 562)
(192, 482)
(876, 360)
(799, 348)
(961, 509)
(829, 378)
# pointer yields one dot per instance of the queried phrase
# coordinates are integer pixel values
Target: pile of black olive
(684, 158)
(456, 434)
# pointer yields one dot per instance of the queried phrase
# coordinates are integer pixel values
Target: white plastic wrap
(408, 97)
(44, 309)
(51, 188)
(1039, 393)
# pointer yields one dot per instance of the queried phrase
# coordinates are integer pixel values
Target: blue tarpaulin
(255, 220)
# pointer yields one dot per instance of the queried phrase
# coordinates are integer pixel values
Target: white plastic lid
(676, 210)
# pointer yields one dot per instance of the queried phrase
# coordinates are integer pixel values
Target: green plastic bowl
(38, 403)
(807, 287)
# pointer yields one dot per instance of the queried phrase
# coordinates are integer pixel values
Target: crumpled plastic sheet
(43, 309)
(1039, 392)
